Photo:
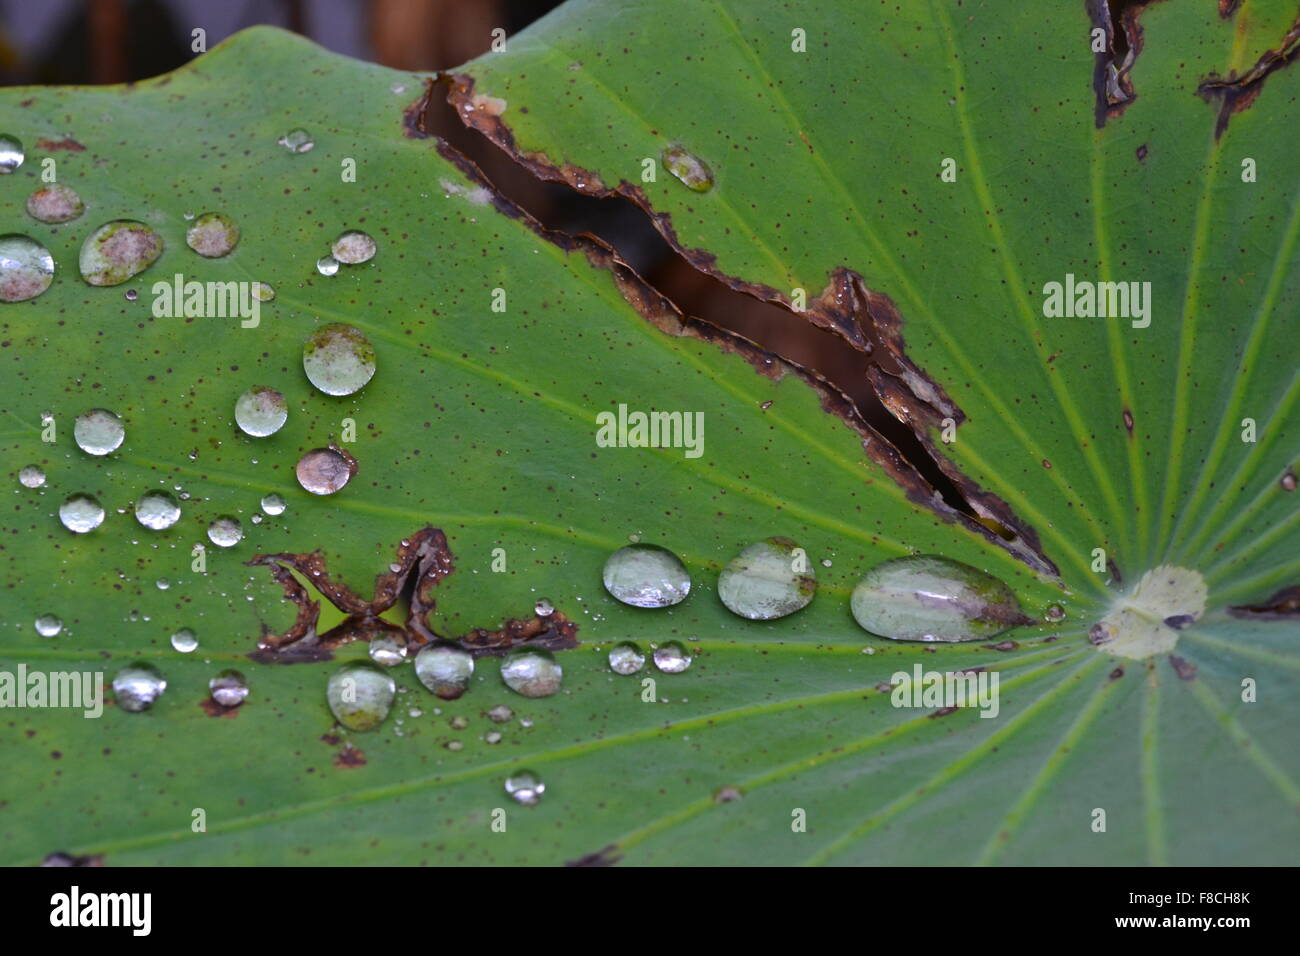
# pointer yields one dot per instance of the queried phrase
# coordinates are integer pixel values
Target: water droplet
(81, 513)
(360, 696)
(327, 265)
(338, 359)
(646, 575)
(1054, 612)
(444, 669)
(184, 640)
(398, 87)
(138, 686)
(54, 204)
(672, 658)
(626, 658)
(157, 510)
(48, 625)
(689, 169)
(263, 292)
(32, 477)
(323, 471)
(930, 598)
(525, 787)
(769, 579)
(500, 714)
(273, 505)
(531, 673)
(544, 608)
(212, 235)
(492, 737)
(261, 411)
(26, 268)
(11, 154)
(229, 689)
(353, 248)
(163, 584)
(98, 432)
(297, 141)
(118, 250)
(131, 295)
(388, 650)
(225, 532)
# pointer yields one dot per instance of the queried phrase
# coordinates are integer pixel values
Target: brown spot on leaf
(1282, 606)
(1184, 668)
(1117, 673)
(1128, 422)
(606, 856)
(1003, 646)
(53, 145)
(349, 758)
(59, 858)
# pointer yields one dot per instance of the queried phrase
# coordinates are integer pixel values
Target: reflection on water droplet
(229, 689)
(323, 471)
(297, 141)
(544, 608)
(11, 154)
(31, 477)
(261, 411)
(338, 359)
(26, 268)
(646, 575)
(263, 292)
(98, 432)
(531, 673)
(691, 170)
(48, 625)
(360, 696)
(353, 248)
(1054, 612)
(138, 686)
(769, 579)
(225, 532)
(81, 513)
(54, 204)
(626, 658)
(212, 235)
(387, 650)
(327, 265)
(444, 669)
(157, 510)
(525, 787)
(672, 658)
(273, 505)
(930, 598)
(184, 640)
(118, 250)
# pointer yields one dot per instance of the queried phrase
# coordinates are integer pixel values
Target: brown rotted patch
(606, 856)
(53, 145)
(1282, 606)
(1236, 93)
(349, 758)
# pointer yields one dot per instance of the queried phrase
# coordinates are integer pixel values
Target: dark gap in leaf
(1282, 606)
(1236, 93)
(1110, 79)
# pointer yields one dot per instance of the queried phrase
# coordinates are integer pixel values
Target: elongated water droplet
(137, 686)
(444, 669)
(626, 658)
(360, 696)
(353, 248)
(225, 532)
(11, 154)
(388, 650)
(327, 265)
(48, 625)
(157, 510)
(229, 688)
(26, 268)
(184, 640)
(338, 359)
(32, 477)
(691, 170)
(118, 250)
(323, 471)
(263, 292)
(929, 598)
(98, 432)
(212, 235)
(646, 575)
(54, 204)
(770, 579)
(273, 504)
(525, 787)
(672, 658)
(81, 513)
(532, 673)
(297, 141)
(261, 411)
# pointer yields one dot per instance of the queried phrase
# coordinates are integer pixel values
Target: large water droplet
(690, 169)
(323, 471)
(327, 265)
(388, 650)
(444, 669)
(11, 154)
(626, 658)
(525, 787)
(929, 598)
(543, 608)
(184, 640)
(532, 673)
(229, 688)
(261, 411)
(769, 579)
(646, 575)
(54, 204)
(48, 625)
(157, 510)
(137, 686)
(353, 247)
(26, 268)
(32, 477)
(360, 696)
(297, 141)
(672, 658)
(273, 504)
(212, 235)
(98, 432)
(118, 250)
(338, 359)
(81, 513)
(225, 532)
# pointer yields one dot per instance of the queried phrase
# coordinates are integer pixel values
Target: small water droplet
(672, 657)
(1288, 481)
(32, 477)
(296, 141)
(131, 295)
(646, 575)
(48, 625)
(626, 658)
(157, 510)
(353, 248)
(137, 686)
(532, 673)
(327, 265)
(338, 359)
(26, 268)
(398, 87)
(492, 737)
(212, 235)
(444, 669)
(184, 640)
(225, 532)
(118, 250)
(459, 723)
(387, 650)
(11, 154)
(1054, 612)
(261, 411)
(81, 513)
(769, 579)
(263, 292)
(500, 714)
(930, 598)
(544, 608)
(525, 787)
(229, 688)
(98, 432)
(323, 471)
(163, 584)
(691, 170)
(273, 504)
(360, 696)
(54, 204)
